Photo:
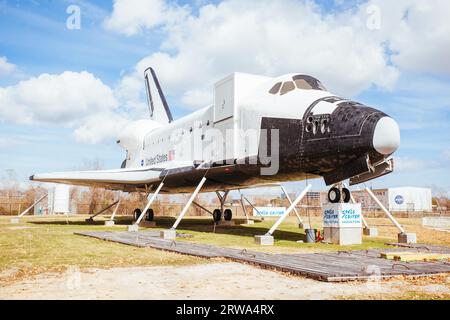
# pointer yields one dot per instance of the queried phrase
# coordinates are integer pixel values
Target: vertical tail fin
(159, 109)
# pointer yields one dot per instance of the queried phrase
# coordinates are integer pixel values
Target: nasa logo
(398, 199)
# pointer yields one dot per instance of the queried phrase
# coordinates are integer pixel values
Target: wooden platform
(333, 266)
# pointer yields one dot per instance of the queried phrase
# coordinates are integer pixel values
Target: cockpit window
(300, 82)
(275, 88)
(308, 83)
(287, 86)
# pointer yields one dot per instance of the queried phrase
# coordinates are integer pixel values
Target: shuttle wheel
(228, 214)
(346, 195)
(137, 213)
(334, 195)
(149, 215)
(217, 215)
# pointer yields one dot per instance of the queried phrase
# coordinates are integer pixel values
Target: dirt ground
(219, 280)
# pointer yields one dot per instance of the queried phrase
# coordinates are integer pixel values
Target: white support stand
(16, 219)
(135, 227)
(267, 239)
(301, 224)
(171, 233)
(244, 208)
(110, 222)
(91, 218)
(403, 237)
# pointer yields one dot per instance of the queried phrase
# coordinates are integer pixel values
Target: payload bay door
(224, 111)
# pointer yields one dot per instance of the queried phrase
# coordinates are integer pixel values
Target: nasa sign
(399, 199)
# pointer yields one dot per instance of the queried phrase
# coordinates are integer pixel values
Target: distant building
(397, 199)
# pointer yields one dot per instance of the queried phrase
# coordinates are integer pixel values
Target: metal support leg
(251, 204)
(188, 204)
(290, 201)
(244, 208)
(91, 218)
(222, 199)
(292, 206)
(32, 206)
(149, 203)
(116, 208)
(389, 215)
(201, 207)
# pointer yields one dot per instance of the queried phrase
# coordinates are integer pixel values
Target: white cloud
(264, 37)
(275, 37)
(6, 68)
(99, 127)
(74, 99)
(129, 17)
(408, 164)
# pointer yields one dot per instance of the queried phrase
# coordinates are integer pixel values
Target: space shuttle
(259, 130)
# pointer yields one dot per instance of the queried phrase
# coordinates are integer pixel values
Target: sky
(71, 71)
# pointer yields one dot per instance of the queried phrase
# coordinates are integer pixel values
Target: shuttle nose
(386, 137)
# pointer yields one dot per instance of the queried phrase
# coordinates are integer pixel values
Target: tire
(346, 195)
(334, 195)
(228, 214)
(217, 215)
(137, 213)
(149, 215)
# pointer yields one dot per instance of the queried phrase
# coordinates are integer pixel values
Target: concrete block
(133, 228)
(15, 220)
(109, 223)
(342, 236)
(371, 232)
(250, 222)
(264, 240)
(407, 237)
(224, 223)
(147, 224)
(168, 234)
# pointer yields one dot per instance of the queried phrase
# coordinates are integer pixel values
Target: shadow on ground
(198, 225)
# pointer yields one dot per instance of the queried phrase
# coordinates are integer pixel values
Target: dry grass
(41, 244)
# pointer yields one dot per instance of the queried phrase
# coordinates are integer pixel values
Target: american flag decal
(171, 154)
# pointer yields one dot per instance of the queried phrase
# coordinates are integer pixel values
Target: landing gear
(137, 213)
(228, 214)
(149, 215)
(217, 213)
(335, 195)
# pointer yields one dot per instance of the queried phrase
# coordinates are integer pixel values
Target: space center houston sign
(269, 211)
(342, 215)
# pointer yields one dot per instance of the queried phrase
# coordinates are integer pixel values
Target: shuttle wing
(126, 179)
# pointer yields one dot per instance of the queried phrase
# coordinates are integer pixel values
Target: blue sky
(398, 70)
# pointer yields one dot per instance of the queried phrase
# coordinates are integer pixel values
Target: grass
(40, 244)
(37, 245)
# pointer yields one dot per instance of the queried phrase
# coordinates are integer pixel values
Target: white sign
(269, 211)
(342, 215)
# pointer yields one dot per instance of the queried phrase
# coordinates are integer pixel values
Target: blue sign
(399, 199)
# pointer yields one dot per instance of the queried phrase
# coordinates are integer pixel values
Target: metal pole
(149, 203)
(244, 208)
(186, 207)
(290, 201)
(116, 208)
(202, 207)
(103, 210)
(399, 227)
(296, 201)
(29, 208)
